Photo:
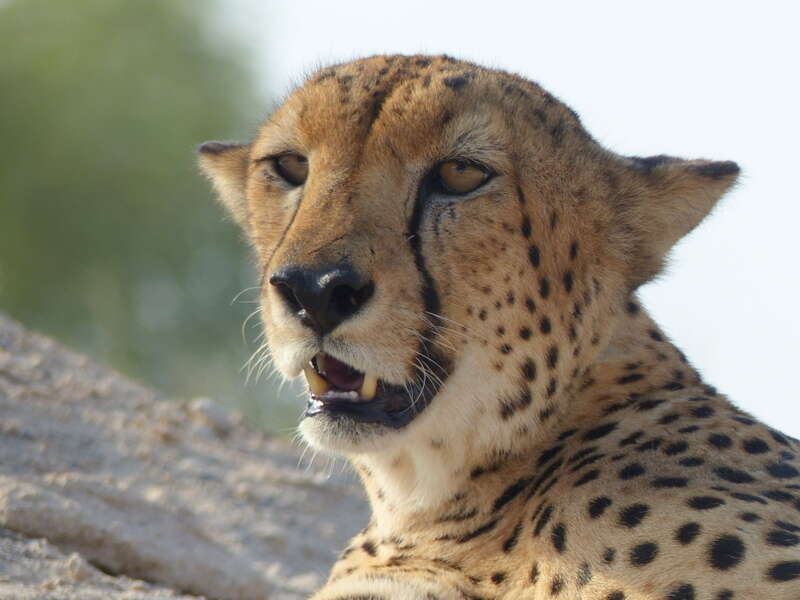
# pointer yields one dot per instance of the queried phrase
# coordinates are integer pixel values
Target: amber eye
(292, 167)
(461, 177)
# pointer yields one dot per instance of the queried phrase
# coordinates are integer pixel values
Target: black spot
(755, 446)
(534, 577)
(584, 574)
(656, 335)
(568, 281)
(573, 250)
(533, 255)
(599, 432)
(726, 552)
(643, 554)
(369, 548)
(552, 357)
(733, 475)
(587, 477)
(630, 471)
(616, 596)
(705, 502)
(556, 585)
(632, 308)
(632, 515)
(778, 437)
(598, 505)
(609, 554)
(720, 441)
(509, 544)
(511, 492)
(670, 418)
(778, 495)
(683, 591)
(631, 439)
(630, 378)
(525, 333)
(724, 595)
(689, 429)
(748, 498)
(777, 537)
(676, 448)
(781, 470)
(687, 533)
(567, 434)
(456, 82)
(544, 287)
(485, 528)
(649, 445)
(526, 226)
(544, 325)
(691, 461)
(558, 537)
(529, 369)
(544, 518)
(784, 571)
(669, 482)
(787, 526)
(498, 578)
(552, 386)
(702, 412)
(749, 517)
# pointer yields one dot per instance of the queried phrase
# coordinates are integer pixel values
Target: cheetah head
(444, 246)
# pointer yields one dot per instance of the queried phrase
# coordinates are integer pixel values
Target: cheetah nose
(323, 297)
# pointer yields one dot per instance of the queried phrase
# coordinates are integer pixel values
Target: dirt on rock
(108, 491)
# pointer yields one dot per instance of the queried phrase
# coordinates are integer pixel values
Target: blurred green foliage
(109, 238)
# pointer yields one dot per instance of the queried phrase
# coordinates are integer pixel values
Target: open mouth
(338, 390)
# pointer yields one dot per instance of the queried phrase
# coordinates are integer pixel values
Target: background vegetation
(109, 238)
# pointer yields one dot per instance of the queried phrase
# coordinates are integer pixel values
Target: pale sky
(692, 79)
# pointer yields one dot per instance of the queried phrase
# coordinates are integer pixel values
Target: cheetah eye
(293, 168)
(461, 177)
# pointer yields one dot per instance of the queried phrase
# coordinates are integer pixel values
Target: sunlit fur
(537, 324)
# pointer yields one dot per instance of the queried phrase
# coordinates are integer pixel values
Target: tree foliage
(109, 239)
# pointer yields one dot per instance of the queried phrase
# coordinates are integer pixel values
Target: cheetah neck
(417, 485)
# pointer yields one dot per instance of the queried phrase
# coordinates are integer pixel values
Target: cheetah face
(438, 243)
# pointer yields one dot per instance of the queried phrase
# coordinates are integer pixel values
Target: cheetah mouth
(338, 390)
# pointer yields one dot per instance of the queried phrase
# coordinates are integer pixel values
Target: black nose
(324, 297)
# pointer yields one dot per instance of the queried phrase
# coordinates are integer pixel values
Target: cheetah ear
(226, 166)
(672, 197)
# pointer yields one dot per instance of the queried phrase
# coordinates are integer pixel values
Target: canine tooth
(320, 362)
(369, 387)
(316, 383)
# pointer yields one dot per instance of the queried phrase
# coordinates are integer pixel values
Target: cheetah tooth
(316, 384)
(369, 387)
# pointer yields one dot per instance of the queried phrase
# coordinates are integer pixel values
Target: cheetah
(452, 262)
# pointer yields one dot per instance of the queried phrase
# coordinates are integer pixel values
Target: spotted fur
(570, 450)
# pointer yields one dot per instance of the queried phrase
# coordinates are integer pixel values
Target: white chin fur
(334, 437)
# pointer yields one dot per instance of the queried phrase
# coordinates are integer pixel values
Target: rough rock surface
(107, 491)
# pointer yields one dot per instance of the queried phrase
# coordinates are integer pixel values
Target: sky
(706, 79)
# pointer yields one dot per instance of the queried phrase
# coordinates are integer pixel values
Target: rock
(109, 491)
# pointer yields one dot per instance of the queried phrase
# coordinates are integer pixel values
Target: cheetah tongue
(338, 374)
(331, 379)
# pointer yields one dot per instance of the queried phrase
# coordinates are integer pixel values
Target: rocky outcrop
(108, 491)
